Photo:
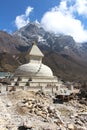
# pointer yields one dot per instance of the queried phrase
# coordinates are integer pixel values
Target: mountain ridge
(67, 58)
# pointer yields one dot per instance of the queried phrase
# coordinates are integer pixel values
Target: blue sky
(9, 9)
(58, 16)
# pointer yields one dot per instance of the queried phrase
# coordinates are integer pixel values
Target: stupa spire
(35, 51)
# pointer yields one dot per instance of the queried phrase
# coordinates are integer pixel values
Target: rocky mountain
(67, 58)
(62, 44)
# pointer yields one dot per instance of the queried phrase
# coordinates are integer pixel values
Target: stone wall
(9, 88)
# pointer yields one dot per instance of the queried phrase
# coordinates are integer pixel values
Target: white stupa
(34, 73)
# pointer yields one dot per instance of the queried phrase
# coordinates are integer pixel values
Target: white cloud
(62, 19)
(81, 7)
(28, 11)
(23, 19)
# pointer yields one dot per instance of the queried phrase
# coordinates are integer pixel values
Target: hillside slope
(67, 58)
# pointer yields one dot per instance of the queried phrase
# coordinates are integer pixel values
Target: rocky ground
(25, 110)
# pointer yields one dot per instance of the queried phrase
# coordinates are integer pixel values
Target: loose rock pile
(39, 108)
(36, 111)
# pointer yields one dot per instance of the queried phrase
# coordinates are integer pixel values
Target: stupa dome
(34, 69)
